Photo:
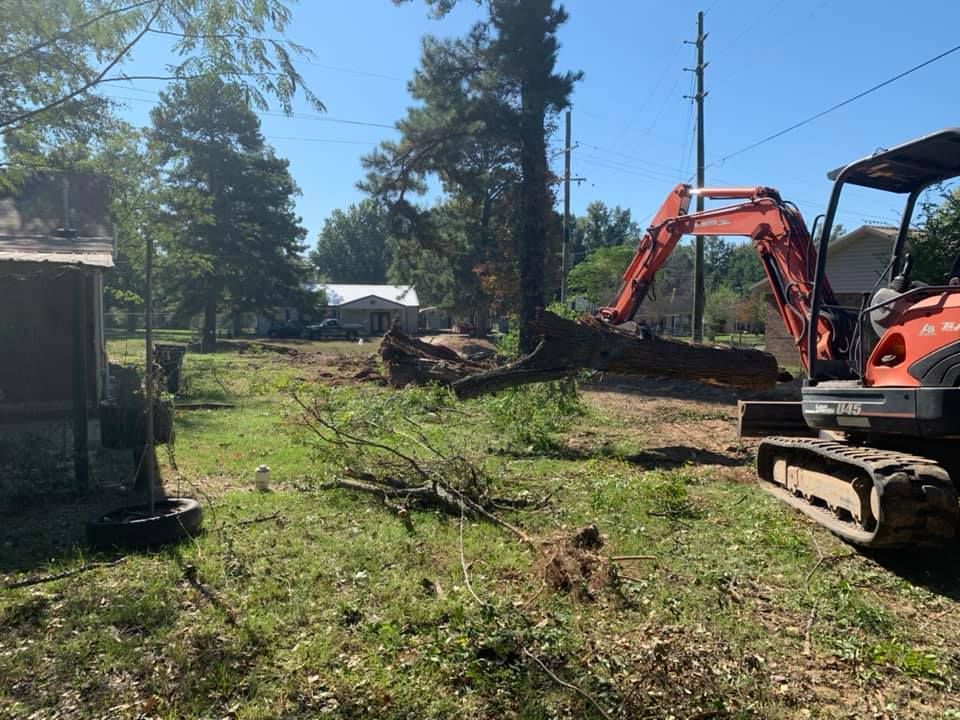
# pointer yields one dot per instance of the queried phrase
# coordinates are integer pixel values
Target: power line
(838, 105)
(271, 113)
(637, 161)
(725, 48)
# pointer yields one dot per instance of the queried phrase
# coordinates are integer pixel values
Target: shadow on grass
(36, 534)
(936, 569)
(43, 514)
(665, 458)
(688, 389)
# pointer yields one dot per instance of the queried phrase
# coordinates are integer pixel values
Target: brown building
(855, 262)
(55, 241)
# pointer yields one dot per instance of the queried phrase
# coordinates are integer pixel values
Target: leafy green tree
(716, 261)
(598, 277)
(54, 55)
(720, 311)
(487, 98)
(352, 247)
(743, 268)
(452, 251)
(231, 239)
(936, 246)
(602, 226)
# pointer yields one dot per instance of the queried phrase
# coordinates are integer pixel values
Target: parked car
(333, 328)
(285, 329)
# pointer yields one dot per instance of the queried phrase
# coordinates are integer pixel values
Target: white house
(376, 307)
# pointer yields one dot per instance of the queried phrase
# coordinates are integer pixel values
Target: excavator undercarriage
(871, 497)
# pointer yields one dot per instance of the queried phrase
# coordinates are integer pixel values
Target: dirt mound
(574, 565)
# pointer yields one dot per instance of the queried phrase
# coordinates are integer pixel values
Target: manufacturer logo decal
(928, 329)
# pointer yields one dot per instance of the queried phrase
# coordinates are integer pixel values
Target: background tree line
(219, 202)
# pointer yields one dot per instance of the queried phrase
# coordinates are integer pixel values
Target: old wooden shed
(55, 243)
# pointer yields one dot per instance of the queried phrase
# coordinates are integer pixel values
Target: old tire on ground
(133, 526)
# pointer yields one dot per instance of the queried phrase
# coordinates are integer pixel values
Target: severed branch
(39, 579)
(448, 483)
(570, 686)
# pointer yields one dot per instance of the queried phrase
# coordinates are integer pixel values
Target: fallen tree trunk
(410, 360)
(566, 347)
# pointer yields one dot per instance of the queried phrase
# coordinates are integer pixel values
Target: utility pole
(698, 286)
(566, 211)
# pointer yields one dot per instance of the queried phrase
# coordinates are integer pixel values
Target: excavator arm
(780, 238)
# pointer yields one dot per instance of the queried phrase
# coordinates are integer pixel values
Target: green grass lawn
(322, 603)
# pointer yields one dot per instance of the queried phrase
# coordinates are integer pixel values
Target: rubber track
(918, 501)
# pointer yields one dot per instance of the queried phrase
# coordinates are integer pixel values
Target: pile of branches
(442, 481)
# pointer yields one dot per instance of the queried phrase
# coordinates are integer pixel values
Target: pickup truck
(333, 328)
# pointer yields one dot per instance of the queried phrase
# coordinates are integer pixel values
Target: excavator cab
(908, 169)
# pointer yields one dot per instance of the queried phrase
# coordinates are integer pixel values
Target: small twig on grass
(191, 574)
(39, 579)
(570, 686)
(806, 634)
(621, 558)
(463, 564)
(524, 538)
(260, 519)
(526, 603)
(939, 616)
(822, 559)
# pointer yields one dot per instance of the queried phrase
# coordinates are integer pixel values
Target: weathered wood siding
(36, 341)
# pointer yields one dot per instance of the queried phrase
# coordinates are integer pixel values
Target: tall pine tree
(232, 240)
(488, 100)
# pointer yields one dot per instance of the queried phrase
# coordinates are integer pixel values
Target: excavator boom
(779, 235)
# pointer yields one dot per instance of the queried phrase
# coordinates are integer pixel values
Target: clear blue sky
(771, 64)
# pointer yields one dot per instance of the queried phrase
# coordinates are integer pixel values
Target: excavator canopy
(902, 169)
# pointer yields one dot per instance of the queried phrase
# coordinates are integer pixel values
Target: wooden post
(699, 292)
(81, 449)
(566, 212)
(149, 450)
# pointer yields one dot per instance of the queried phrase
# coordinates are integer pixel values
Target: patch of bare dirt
(339, 369)
(282, 347)
(675, 422)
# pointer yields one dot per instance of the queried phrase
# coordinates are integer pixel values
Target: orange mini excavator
(882, 385)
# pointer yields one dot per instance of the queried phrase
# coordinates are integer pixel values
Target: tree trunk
(131, 320)
(566, 347)
(208, 341)
(533, 190)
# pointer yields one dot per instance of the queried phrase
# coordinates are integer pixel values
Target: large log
(567, 346)
(412, 361)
